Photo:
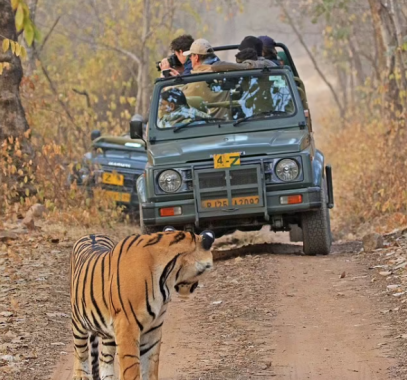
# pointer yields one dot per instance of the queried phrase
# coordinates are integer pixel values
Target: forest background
(92, 66)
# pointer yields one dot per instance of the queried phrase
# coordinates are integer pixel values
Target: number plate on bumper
(113, 179)
(238, 201)
(117, 196)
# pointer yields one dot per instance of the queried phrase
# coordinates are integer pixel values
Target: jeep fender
(141, 188)
(317, 168)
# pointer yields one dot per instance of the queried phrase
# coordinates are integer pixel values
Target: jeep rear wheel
(316, 228)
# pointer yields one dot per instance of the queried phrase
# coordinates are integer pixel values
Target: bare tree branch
(55, 92)
(49, 33)
(85, 94)
(311, 56)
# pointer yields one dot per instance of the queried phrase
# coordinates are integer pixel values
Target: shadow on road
(279, 249)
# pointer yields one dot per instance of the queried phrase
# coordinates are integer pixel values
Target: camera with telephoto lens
(172, 60)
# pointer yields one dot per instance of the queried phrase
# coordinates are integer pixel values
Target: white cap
(199, 46)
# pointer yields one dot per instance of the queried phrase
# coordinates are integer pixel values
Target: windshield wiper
(270, 113)
(176, 129)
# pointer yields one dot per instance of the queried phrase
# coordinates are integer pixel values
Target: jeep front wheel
(316, 228)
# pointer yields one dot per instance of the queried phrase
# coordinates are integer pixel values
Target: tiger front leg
(107, 359)
(150, 354)
(150, 362)
(128, 348)
(82, 370)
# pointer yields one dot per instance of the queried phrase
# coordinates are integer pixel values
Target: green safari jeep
(239, 158)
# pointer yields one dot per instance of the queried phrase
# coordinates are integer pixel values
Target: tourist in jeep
(246, 59)
(256, 44)
(179, 45)
(174, 109)
(246, 54)
(203, 58)
(269, 49)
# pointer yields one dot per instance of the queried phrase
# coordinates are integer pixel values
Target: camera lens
(174, 61)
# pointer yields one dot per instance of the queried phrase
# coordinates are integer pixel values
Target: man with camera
(177, 63)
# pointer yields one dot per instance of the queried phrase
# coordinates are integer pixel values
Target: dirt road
(276, 317)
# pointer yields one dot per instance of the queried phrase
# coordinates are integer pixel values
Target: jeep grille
(223, 186)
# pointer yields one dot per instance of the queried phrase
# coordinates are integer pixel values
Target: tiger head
(194, 265)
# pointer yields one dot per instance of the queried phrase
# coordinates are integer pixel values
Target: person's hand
(164, 65)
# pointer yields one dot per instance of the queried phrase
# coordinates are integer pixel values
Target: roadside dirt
(278, 317)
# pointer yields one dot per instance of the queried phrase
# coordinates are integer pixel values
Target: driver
(174, 109)
(203, 57)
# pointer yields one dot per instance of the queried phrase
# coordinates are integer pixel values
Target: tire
(146, 230)
(316, 228)
(295, 233)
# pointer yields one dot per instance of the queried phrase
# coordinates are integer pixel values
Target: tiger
(120, 293)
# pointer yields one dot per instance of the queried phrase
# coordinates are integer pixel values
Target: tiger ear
(208, 237)
(168, 228)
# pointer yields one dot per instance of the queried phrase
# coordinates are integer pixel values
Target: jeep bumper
(191, 213)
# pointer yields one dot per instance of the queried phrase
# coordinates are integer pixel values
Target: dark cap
(252, 42)
(268, 42)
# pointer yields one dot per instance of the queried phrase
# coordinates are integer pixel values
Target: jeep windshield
(225, 99)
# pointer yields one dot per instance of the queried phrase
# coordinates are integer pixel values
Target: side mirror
(136, 127)
(95, 134)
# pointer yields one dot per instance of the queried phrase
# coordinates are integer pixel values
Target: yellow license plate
(118, 197)
(226, 160)
(238, 201)
(113, 179)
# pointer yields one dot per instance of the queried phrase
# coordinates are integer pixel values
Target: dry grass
(370, 176)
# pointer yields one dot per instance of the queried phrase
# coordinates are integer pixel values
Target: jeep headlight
(287, 170)
(169, 181)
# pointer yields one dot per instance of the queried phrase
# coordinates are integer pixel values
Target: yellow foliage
(6, 44)
(20, 17)
(108, 83)
(14, 4)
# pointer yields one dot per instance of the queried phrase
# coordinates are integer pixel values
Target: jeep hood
(249, 144)
(121, 160)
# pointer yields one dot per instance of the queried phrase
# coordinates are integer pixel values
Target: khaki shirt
(203, 90)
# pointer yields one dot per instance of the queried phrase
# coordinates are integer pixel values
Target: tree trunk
(357, 63)
(143, 78)
(399, 42)
(30, 64)
(378, 34)
(343, 82)
(12, 116)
